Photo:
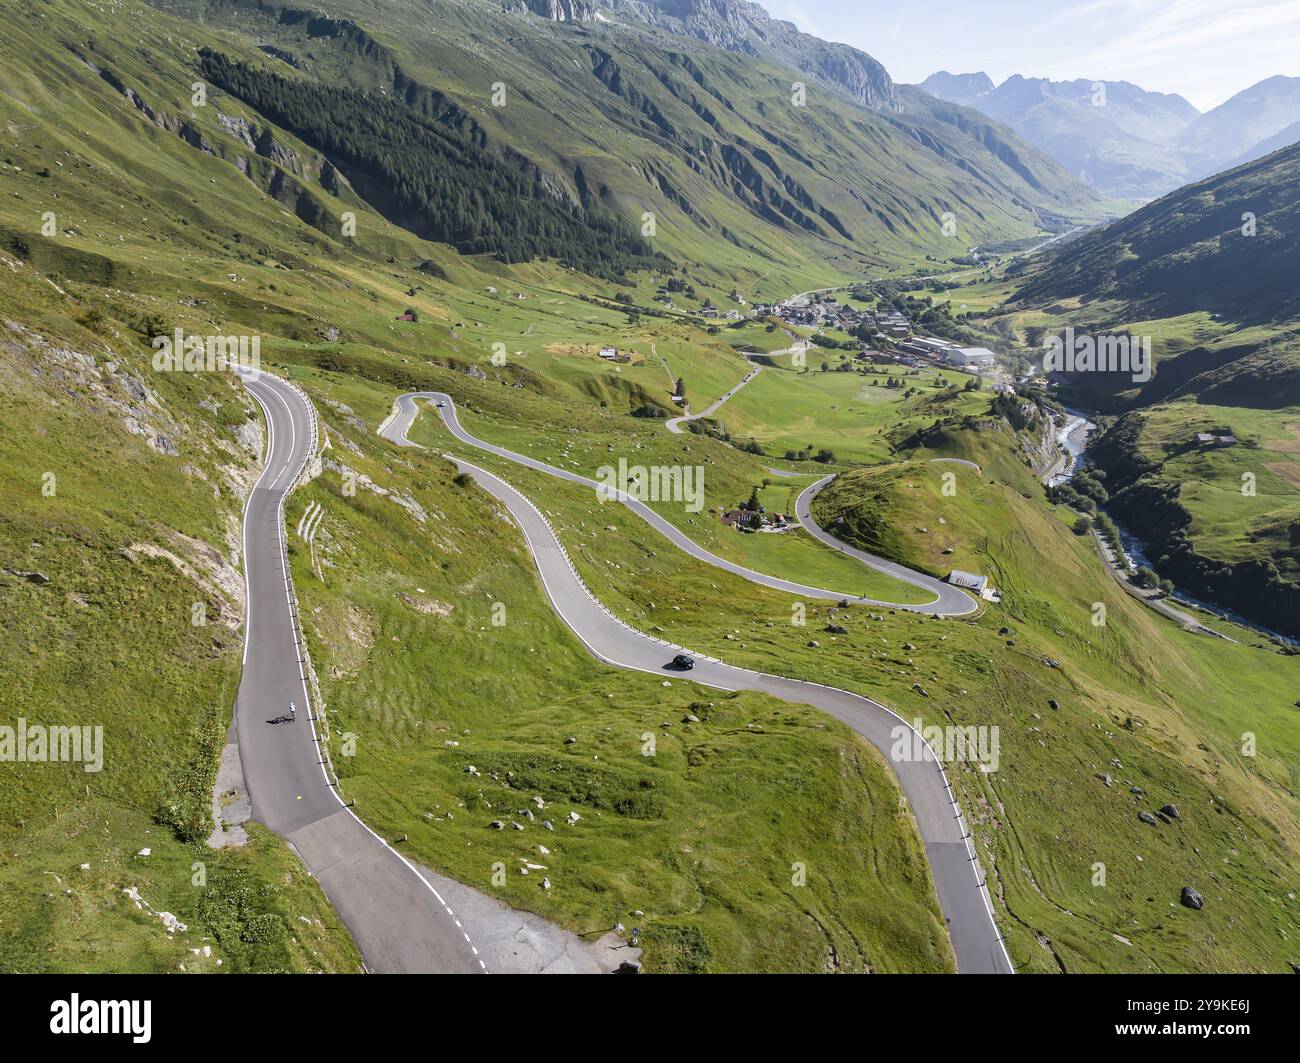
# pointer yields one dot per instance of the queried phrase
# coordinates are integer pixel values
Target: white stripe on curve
(293, 612)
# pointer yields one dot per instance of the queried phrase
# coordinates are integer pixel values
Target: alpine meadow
(635, 486)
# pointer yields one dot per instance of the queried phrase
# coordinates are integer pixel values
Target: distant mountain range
(1227, 246)
(1124, 140)
(692, 112)
(1240, 127)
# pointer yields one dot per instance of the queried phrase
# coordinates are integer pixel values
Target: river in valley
(1072, 437)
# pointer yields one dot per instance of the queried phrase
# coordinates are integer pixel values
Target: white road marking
(299, 639)
(404, 426)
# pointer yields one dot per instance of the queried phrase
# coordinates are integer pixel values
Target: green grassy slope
(740, 181)
(1169, 706)
(1140, 702)
(154, 231)
(119, 540)
(1188, 250)
(204, 248)
(438, 651)
(1224, 247)
(852, 414)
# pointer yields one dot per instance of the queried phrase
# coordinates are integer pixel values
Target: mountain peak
(958, 88)
(747, 28)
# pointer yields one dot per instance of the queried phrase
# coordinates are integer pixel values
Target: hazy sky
(1206, 50)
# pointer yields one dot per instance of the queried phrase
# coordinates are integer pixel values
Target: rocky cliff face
(555, 10)
(721, 23)
(738, 26)
(854, 71)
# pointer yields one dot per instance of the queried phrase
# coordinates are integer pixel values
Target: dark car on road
(684, 662)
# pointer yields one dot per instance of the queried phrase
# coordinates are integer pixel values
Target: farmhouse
(741, 519)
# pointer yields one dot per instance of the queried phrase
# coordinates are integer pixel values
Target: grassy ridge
(153, 230)
(110, 549)
(1169, 706)
(700, 838)
(1227, 519)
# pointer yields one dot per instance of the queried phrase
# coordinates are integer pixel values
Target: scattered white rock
(169, 921)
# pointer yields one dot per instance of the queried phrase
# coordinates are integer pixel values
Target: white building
(970, 357)
(928, 345)
(968, 581)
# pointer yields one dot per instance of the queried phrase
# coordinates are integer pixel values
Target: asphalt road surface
(674, 424)
(397, 918)
(949, 601)
(954, 866)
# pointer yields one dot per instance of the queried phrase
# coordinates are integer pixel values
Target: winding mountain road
(396, 916)
(949, 601)
(674, 424)
(954, 865)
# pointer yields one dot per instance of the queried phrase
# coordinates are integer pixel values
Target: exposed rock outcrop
(740, 26)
